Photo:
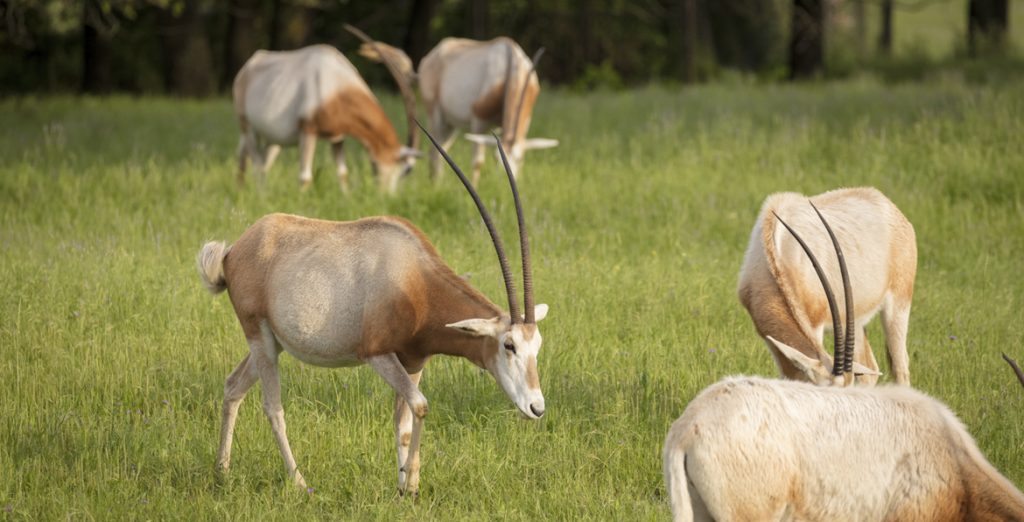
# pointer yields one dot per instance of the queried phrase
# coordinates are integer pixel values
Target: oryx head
(514, 338)
(821, 370)
(512, 141)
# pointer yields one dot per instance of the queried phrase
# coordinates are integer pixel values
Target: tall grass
(114, 357)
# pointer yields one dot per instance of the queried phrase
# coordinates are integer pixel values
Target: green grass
(114, 357)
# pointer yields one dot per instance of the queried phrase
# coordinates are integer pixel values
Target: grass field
(114, 356)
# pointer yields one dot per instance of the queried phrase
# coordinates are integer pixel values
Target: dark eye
(510, 346)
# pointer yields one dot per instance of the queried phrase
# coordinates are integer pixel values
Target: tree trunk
(417, 37)
(188, 61)
(807, 44)
(96, 77)
(291, 26)
(686, 15)
(885, 33)
(480, 19)
(986, 26)
(860, 21)
(240, 39)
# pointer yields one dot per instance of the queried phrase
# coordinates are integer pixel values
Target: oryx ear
(409, 152)
(479, 327)
(812, 368)
(539, 143)
(539, 312)
(481, 139)
(860, 369)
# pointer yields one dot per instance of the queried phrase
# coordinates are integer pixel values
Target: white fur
(749, 448)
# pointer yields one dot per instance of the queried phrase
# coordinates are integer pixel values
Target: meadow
(114, 356)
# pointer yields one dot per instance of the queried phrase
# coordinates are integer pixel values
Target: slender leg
(445, 135)
(388, 367)
(477, 126)
(337, 148)
(307, 146)
(273, 150)
(238, 383)
(252, 143)
(895, 320)
(243, 159)
(263, 352)
(408, 465)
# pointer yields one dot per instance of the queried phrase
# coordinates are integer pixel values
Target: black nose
(537, 412)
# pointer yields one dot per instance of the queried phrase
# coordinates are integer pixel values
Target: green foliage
(115, 356)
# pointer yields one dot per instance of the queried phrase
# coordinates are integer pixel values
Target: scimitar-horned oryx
(749, 448)
(372, 291)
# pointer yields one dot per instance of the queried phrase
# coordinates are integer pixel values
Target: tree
(417, 38)
(807, 43)
(885, 34)
(241, 36)
(188, 61)
(986, 25)
(96, 77)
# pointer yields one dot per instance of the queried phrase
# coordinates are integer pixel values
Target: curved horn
(524, 243)
(522, 92)
(850, 313)
(506, 272)
(408, 97)
(837, 327)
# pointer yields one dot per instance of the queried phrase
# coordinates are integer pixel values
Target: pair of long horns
(506, 270)
(408, 97)
(843, 350)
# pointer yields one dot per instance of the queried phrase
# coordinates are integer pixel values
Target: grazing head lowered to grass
(749, 448)
(372, 291)
(779, 287)
(297, 97)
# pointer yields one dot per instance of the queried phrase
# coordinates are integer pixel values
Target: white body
(296, 97)
(779, 288)
(749, 448)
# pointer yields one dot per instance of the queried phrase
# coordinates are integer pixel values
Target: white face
(514, 363)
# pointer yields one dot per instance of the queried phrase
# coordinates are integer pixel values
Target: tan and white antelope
(372, 291)
(475, 85)
(297, 97)
(748, 448)
(778, 287)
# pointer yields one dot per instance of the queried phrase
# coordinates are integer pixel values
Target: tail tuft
(210, 262)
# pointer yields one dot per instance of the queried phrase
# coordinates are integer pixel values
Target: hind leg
(264, 353)
(445, 135)
(476, 126)
(238, 383)
(896, 320)
(243, 159)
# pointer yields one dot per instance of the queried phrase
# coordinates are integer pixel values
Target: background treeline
(194, 47)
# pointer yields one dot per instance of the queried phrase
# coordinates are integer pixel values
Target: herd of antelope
(375, 291)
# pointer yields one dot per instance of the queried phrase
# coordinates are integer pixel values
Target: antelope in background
(372, 291)
(296, 97)
(748, 448)
(474, 85)
(778, 287)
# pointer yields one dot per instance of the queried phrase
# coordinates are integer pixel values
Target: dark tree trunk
(241, 37)
(417, 37)
(860, 20)
(291, 25)
(188, 60)
(885, 34)
(480, 19)
(986, 25)
(807, 44)
(96, 74)
(685, 14)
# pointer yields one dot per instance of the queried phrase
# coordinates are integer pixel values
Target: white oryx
(778, 287)
(296, 97)
(749, 448)
(372, 291)
(474, 85)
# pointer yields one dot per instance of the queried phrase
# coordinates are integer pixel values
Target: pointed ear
(812, 368)
(860, 369)
(481, 139)
(540, 312)
(479, 327)
(539, 143)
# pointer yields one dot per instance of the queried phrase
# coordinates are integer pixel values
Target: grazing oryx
(778, 287)
(371, 291)
(474, 85)
(289, 97)
(749, 448)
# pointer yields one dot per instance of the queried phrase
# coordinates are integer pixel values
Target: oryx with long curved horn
(297, 97)
(781, 293)
(372, 291)
(749, 448)
(475, 85)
